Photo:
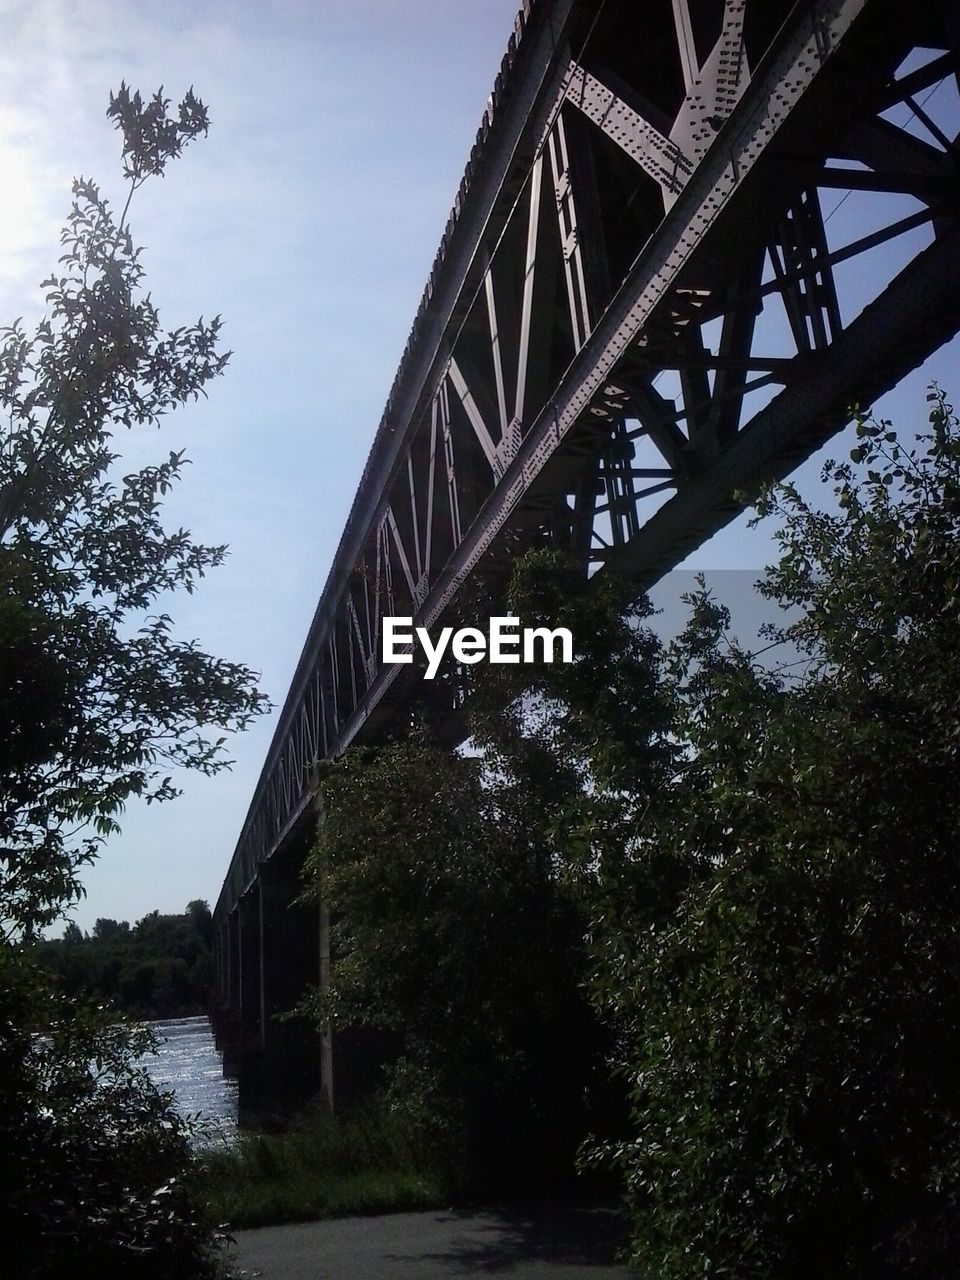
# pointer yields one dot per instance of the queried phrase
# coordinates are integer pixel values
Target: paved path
(521, 1244)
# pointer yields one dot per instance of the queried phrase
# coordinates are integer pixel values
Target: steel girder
(640, 310)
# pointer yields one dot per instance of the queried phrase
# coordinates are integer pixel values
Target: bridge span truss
(692, 234)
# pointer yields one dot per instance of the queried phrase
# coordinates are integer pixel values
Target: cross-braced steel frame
(691, 236)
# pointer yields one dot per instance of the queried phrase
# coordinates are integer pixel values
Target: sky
(309, 219)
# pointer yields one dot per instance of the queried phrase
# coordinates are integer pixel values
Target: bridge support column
(283, 1068)
(233, 959)
(223, 951)
(326, 1035)
(226, 1019)
(218, 985)
(249, 973)
(217, 992)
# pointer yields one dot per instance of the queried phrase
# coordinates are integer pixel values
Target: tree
(201, 917)
(100, 697)
(786, 1030)
(159, 969)
(95, 1173)
(460, 886)
(766, 852)
(575, 751)
(447, 936)
(104, 928)
(98, 700)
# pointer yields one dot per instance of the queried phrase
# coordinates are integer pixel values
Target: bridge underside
(691, 237)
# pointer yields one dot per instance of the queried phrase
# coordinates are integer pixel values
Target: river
(188, 1063)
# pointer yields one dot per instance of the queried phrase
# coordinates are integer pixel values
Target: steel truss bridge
(690, 236)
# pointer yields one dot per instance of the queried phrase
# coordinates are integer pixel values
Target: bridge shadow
(572, 1242)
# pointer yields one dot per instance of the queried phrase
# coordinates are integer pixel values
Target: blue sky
(309, 219)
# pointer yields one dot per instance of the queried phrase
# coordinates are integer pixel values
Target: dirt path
(522, 1244)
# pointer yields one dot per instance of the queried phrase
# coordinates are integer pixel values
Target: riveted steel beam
(595, 358)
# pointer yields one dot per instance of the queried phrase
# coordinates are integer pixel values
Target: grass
(364, 1162)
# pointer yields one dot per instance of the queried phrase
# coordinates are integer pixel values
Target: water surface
(188, 1063)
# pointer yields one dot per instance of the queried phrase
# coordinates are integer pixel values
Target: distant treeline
(158, 968)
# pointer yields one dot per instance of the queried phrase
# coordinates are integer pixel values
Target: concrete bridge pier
(249, 948)
(225, 1004)
(272, 950)
(283, 1063)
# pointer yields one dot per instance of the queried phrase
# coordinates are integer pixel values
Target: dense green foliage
(451, 937)
(788, 1031)
(96, 1160)
(755, 862)
(160, 968)
(98, 700)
